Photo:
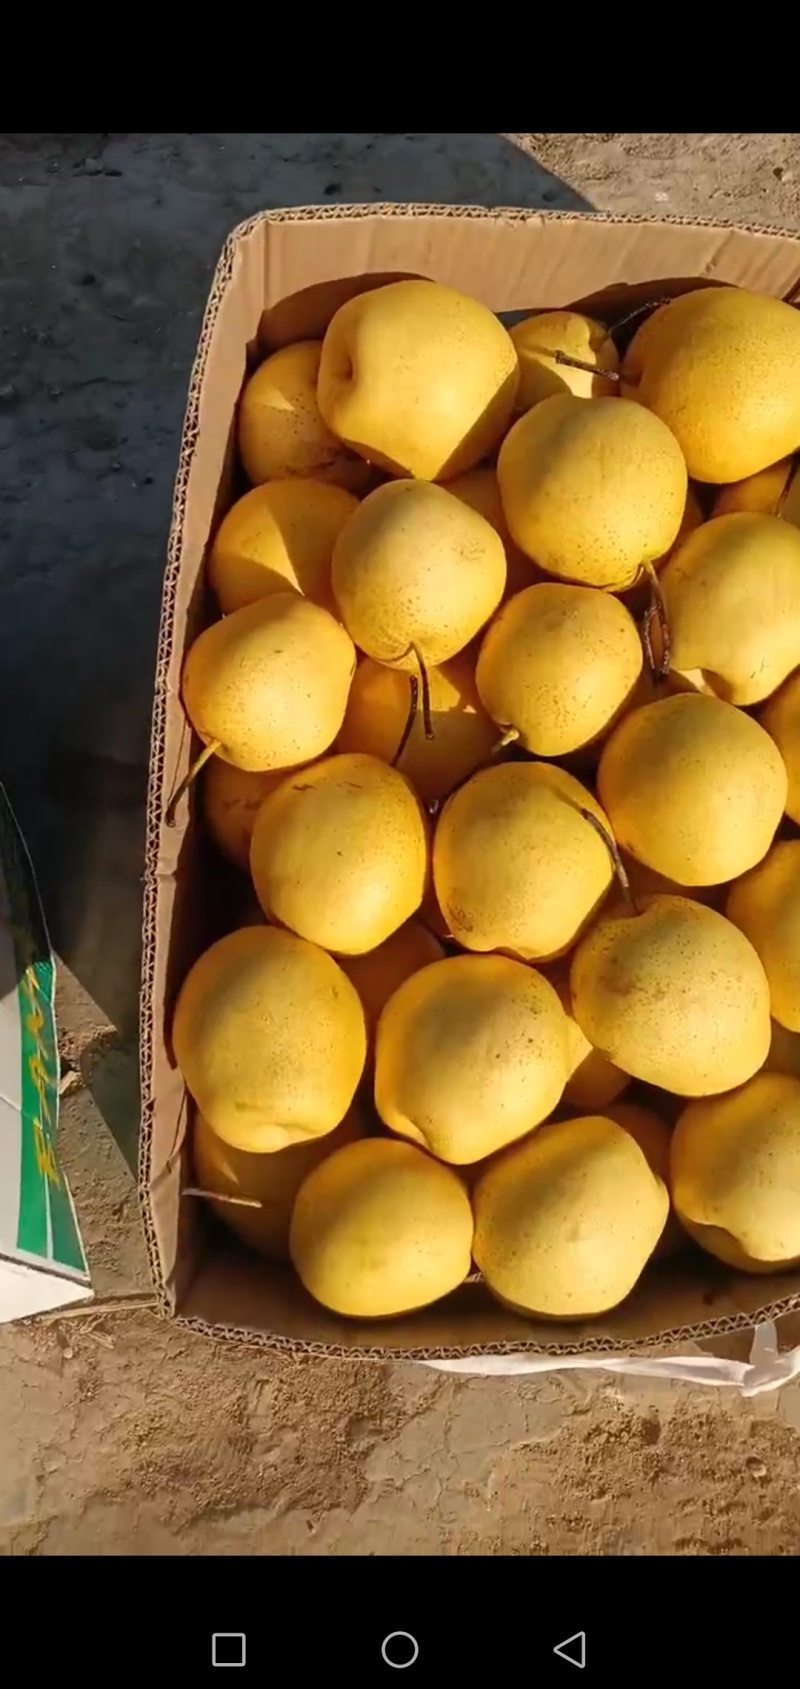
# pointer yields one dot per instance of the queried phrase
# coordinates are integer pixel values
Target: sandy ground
(118, 1434)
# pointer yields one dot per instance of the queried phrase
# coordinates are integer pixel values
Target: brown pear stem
(591, 369)
(656, 613)
(646, 631)
(613, 850)
(510, 737)
(217, 1196)
(413, 705)
(639, 311)
(426, 694)
(207, 752)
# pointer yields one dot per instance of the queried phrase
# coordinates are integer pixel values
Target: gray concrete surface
(108, 244)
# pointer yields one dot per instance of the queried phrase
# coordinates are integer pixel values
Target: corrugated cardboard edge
(677, 1340)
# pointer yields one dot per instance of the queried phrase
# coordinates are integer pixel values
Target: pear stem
(622, 323)
(613, 850)
(656, 612)
(426, 695)
(207, 752)
(509, 737)
(413, 704)
(591, 369)
(217, 1196)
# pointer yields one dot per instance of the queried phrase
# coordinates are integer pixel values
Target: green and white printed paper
(42, 1262)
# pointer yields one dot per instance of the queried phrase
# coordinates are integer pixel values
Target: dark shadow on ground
(109, 243)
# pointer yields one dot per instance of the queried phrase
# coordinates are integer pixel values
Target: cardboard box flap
(526, 259)
(280, 276)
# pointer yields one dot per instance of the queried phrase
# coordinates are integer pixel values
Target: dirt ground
(119, 1434)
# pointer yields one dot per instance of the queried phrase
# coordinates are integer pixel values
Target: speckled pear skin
(675, 995)
(735, 1173)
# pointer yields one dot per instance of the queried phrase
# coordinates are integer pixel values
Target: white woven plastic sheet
(767, 1368)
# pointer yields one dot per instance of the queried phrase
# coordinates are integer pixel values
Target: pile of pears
(500, 721)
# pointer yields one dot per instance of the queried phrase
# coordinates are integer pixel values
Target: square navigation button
(228, 1648)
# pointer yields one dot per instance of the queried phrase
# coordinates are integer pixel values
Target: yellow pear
(735, 1173)
(538, 338)
(693, 788)
(781, 718)
(269, 1181)
(732, 596)
(279, 537)
(516, 867)
(674, 995)
(270, 1037)
(593, 489)
(558, 664)
(377, 974)
(765, 905)
(721, 367)
(479, 489)
(471, 1053)
(281, 431)
(463, 735)
(417, 378)
(593, 1081)
(339, 853)
(654, 1137)
(267, 686)
(380, 1229)
(566, 1222)
(772, 492)
(784, 1051)
(232, 798)
(416, 569)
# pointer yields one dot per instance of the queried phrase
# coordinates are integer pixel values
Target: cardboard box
(42, 1262)
(279, 279)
